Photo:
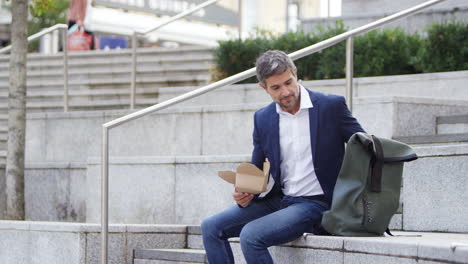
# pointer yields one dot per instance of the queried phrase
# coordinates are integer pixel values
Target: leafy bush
(44, 14)
(387, 52)
(379, 52)
(234, 56)
(446, 47)
(332, 59)
(291, 42)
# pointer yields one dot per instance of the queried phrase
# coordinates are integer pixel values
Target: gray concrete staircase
(78, 243)
(452, 124)
(161, 256)
(100, 80)
(404, 247)
(192, 253)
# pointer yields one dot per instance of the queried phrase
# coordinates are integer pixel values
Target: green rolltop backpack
(367, 191)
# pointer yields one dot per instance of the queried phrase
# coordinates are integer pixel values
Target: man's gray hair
(271, 63)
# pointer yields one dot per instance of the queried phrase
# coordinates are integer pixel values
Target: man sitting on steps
(302, 133)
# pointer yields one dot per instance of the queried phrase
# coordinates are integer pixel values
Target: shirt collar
(305, 102)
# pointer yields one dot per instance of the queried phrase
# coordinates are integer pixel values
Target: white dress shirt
(298, 176)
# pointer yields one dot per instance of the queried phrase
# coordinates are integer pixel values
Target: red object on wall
(79, 40)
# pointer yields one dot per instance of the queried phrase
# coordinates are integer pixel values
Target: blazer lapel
(313, 123)
(275, 138)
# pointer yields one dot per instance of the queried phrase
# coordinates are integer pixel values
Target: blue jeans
(266, 222)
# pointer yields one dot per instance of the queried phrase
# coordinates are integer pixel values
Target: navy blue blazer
(331, 125)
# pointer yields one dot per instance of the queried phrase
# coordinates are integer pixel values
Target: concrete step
(404, 247)
(163, 256)
(434, 139)
(115, 63)
(37, 94)
(98, 69)
(194, 237)
(163, 53)
(3, 124)
(108, 72)
(56, 104)
(178, 79)
(120, 67)
(3, 154)
(98, 63)
(82, 100)
(402, 244)
(96, 60)
(452, 124)
(81, 104)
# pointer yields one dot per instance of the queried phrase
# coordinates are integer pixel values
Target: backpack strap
(388, 232)
(377, 163)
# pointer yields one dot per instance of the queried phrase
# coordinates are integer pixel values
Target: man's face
(284, 90)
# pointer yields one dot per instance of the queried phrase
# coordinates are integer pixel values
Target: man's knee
(208, 226)
(250, 237)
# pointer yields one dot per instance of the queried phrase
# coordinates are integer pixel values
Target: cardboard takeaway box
(248, 178)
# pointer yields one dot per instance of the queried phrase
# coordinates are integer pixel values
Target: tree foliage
(40, 7)
(44, 14)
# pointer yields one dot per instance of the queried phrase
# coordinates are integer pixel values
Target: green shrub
(291, 42)
(44, 14)
(446, 47)
(235, 56)
(379, 52)
(332, 59)
(387, 52)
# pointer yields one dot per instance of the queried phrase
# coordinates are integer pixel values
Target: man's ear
(261, 85)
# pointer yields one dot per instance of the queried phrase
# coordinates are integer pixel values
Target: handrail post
(65, 69)
(104, 194)
(134, 68)
(349, 72)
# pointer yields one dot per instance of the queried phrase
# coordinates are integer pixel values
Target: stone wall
(78, 243)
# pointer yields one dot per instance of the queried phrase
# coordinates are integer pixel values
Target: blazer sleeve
(348, 124)
(258, 156)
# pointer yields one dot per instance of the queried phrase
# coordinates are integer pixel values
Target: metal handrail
(160, 25)
(38, 35)
(63, 28)
(219, 84)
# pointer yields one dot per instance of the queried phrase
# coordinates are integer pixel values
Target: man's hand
(243, 199)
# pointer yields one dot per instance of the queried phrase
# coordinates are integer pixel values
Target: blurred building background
(228, 18)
